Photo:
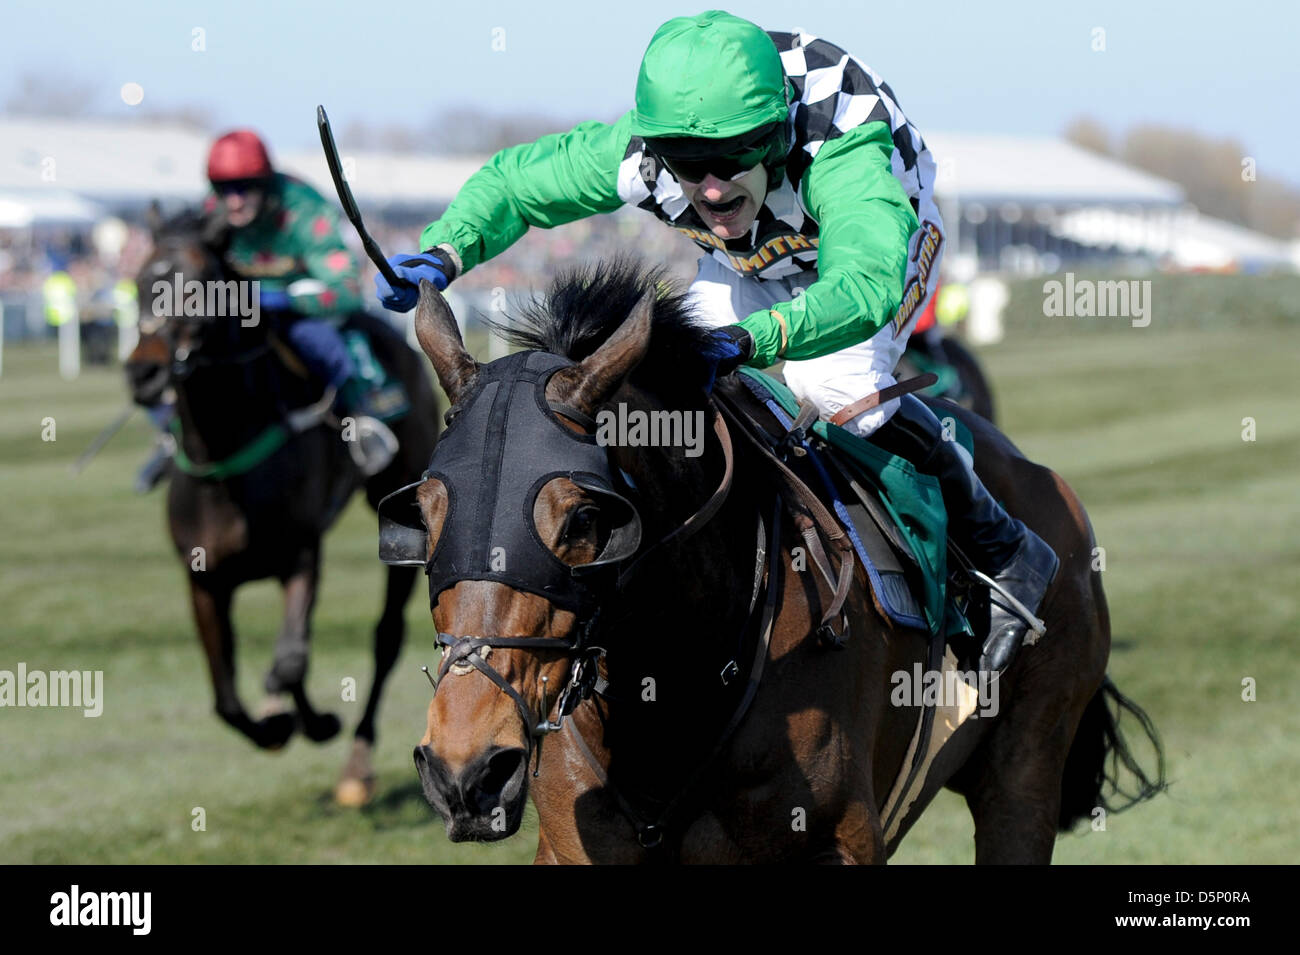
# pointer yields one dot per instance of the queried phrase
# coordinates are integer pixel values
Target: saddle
(892, 515)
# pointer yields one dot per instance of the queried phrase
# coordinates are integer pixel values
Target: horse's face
(474, 754)
(473, 758)
(169, 339)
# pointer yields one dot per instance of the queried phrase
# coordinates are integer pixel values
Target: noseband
(582, 673)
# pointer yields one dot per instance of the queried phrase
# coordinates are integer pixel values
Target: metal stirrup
(1035, 624)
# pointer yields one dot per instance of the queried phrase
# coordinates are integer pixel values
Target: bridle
(583, 672)
(741, 674)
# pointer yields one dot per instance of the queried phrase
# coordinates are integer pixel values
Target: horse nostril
(430, 781)
(487, 780)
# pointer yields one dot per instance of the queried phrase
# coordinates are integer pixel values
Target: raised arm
(557, 179)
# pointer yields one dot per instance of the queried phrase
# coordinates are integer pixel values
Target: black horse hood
(503, 445)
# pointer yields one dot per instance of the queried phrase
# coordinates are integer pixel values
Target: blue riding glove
(274, 300)
(412, 267)
(728, 348)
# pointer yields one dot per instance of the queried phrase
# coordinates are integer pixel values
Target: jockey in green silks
(279, 231)
(791, 165)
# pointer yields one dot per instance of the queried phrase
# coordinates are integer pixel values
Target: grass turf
(1201, 531)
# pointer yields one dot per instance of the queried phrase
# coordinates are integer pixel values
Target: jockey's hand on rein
(728, 348)
(412, 267)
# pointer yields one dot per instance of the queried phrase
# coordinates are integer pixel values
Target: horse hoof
(274, 731)
(356, 785)
(354, 793)
(322, 727)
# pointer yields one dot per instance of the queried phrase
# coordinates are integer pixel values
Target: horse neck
(685, 612)
(222, 407)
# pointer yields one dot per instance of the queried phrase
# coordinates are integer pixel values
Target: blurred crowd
(530, 264)
(26, 261)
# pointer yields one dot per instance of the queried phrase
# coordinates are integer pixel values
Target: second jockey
(791, 165)
(281, 232)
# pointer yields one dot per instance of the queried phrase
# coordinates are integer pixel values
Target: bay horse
(688, 733)
(265, 517)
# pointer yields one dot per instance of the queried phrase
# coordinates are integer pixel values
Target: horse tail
(1100, 753)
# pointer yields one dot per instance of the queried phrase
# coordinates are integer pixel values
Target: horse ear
(589, 383)
(435, 327)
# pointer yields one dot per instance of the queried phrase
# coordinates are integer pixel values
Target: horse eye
(582, 521)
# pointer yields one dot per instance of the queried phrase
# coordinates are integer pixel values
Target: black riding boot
(1020, 562)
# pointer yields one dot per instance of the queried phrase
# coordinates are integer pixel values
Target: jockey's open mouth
(725, 211)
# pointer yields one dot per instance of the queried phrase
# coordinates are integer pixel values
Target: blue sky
(1010, 67)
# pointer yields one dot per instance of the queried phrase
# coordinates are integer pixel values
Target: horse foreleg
(390, 632)
(292, 648)
(356, 783)
(211, 605)
(289, 665)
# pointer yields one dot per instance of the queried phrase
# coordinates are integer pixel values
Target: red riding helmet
(238, 155)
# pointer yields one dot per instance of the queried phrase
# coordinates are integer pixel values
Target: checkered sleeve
(866, 222)
(557, 179)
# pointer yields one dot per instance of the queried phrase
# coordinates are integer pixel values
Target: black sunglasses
(238, 186)
(726, 168)
(692, 159)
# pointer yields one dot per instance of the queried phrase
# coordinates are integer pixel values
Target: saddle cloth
(893, 514)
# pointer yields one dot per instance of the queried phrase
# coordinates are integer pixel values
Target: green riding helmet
(712, 77)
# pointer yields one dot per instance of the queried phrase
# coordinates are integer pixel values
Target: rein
(810, 516)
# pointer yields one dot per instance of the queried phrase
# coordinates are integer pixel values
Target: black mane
(585, 304)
